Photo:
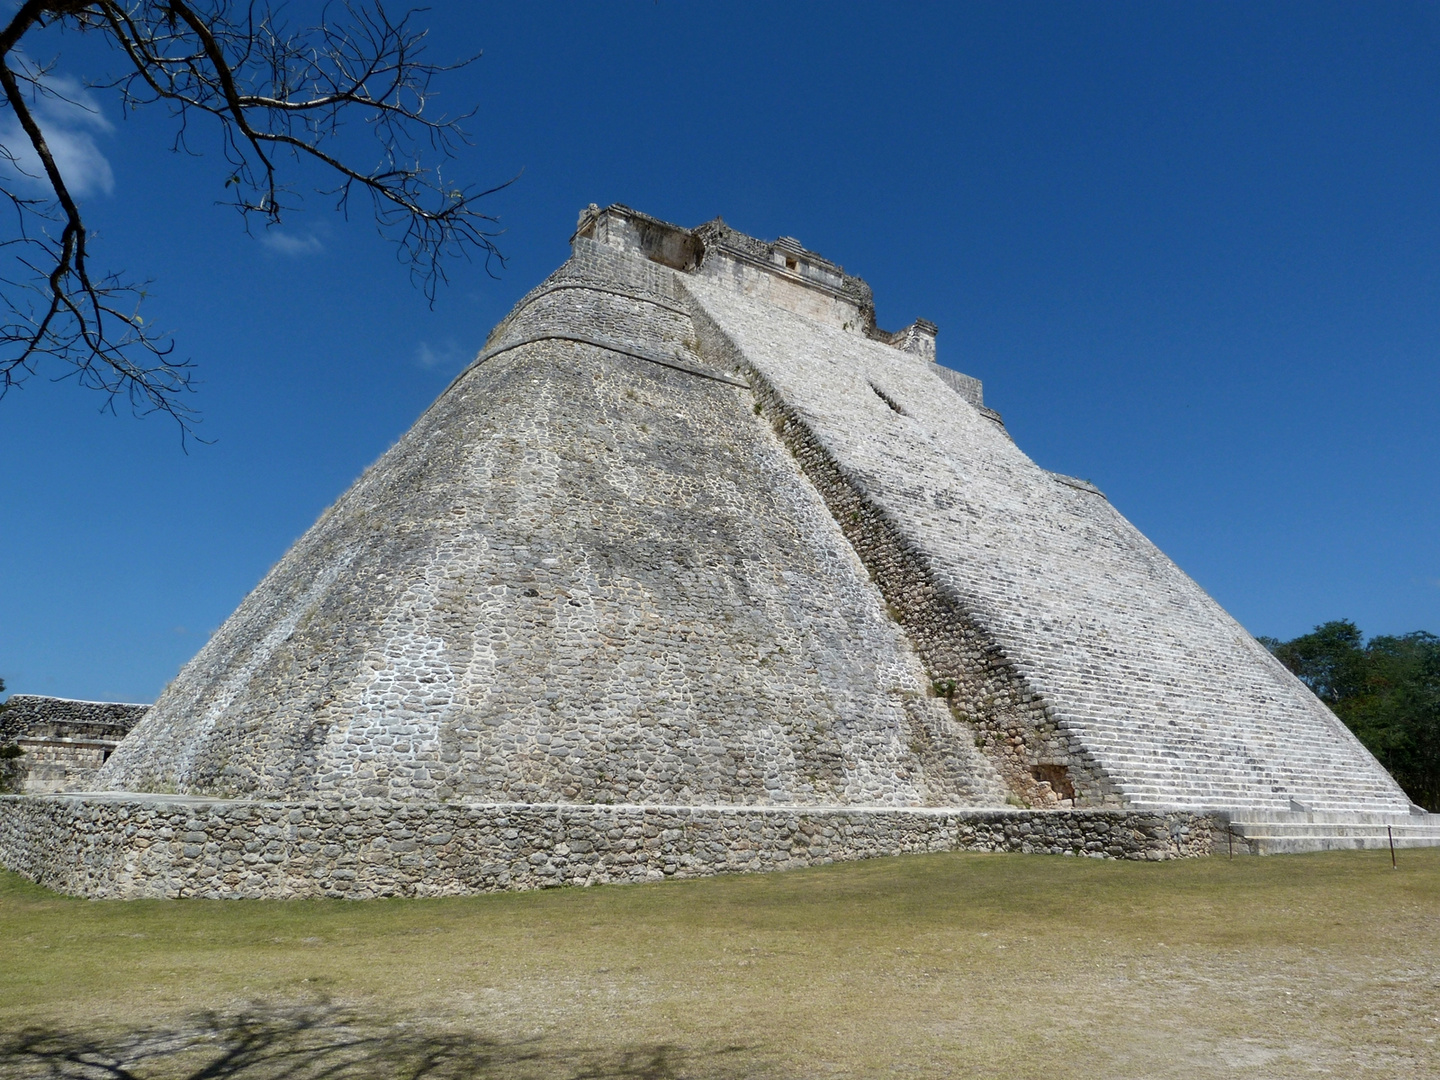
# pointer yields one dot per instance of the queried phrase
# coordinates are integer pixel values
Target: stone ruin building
(694, 569)
(63, 743)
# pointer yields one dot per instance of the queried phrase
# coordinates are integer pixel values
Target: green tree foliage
(1386, 690)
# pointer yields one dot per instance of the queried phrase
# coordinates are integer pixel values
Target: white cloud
(84, 167)
(444, 355)
(69, 116)
(288, 244)
(67, 102)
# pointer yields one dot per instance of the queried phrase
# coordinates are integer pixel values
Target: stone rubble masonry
(63, 742)
(582, 576)
(153, 846)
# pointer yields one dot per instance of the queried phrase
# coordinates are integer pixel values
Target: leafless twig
(280, 97)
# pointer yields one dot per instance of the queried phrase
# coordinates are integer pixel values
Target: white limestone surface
(1174, 700)
(639, 553)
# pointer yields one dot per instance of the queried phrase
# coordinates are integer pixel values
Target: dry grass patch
(935, 965)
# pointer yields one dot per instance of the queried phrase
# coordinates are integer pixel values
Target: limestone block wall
(125, 847)
(50, 765)
(1119, 667)
(589, 573)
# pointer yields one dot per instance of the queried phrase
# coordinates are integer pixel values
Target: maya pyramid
(692, 529)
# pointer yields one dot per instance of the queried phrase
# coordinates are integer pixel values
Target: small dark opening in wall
(1057, 776)
(887, 399)
(792, 264)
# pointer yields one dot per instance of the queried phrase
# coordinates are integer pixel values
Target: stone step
(1256, 801)
(1148, 796)
(1413, 816)
(1275, 832)
(1295, 757)
(1143, 785)
(1334, 829)
(1124, 749)
(1143, 738)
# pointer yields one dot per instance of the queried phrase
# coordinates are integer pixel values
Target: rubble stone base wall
(110, 846)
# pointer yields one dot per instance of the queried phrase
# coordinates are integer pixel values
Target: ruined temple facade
(693, 540)
(61, 742)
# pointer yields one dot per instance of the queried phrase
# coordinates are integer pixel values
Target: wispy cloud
(68, 101)
(285, 243)
(446, 354)
(70, 118)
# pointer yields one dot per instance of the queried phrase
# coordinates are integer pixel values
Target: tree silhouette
(277, 97)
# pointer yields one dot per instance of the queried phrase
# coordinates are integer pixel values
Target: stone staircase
(1258, 832)
(1232, 764)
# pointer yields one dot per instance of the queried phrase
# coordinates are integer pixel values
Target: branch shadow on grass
(324, 1042)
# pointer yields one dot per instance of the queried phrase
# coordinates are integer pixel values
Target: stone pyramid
(692, 530)
(693, 569)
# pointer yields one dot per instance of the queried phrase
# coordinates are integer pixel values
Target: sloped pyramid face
(691, 530)
(587, 574)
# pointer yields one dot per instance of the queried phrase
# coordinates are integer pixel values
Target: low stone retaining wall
(151, 846)
(102, 845)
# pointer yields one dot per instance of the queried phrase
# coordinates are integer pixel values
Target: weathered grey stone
(135, 845)
(582, 576)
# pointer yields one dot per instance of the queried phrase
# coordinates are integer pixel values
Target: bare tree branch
(277, 95)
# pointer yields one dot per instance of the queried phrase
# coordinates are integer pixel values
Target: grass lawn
(929, 965)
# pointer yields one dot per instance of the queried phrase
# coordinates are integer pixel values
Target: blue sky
(1192, 250)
